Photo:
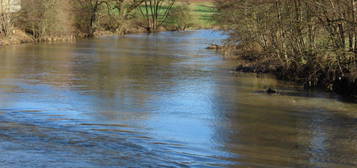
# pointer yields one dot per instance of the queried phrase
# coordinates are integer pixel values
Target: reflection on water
(160, 100)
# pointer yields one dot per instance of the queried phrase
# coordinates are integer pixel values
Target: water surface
(161, 100)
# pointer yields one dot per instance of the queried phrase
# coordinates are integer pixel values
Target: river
(161, 100)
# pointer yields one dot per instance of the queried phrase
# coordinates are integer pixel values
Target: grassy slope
(202, 11)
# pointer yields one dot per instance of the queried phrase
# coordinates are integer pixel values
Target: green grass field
(202, 13)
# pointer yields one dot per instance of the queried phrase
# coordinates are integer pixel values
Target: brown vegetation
(155, 13)
(46, 18)
(180, 17)
(54, 20)
(309, 41)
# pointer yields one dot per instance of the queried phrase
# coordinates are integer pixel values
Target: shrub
(180, 17)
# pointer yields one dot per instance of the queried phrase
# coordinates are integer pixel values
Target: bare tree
(313, 41)
(155, 13)
(121, 10)
(87, 11)
(7, 7)
(43, 18)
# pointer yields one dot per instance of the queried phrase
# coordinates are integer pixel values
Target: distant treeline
(309, 41)
(83, 18)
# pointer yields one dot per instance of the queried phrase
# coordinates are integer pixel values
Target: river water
(161, 100)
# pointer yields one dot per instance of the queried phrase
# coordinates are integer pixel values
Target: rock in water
(214, 47)
(271, 91)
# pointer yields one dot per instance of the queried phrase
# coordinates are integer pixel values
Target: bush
(42, 18)
(313, 42)
(180, 17)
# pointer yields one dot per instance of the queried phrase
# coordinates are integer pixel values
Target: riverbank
(20, 37)
(310, 49)
(29, 27)
(314, 75)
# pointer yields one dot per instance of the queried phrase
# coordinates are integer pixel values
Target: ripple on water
(161, 100)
